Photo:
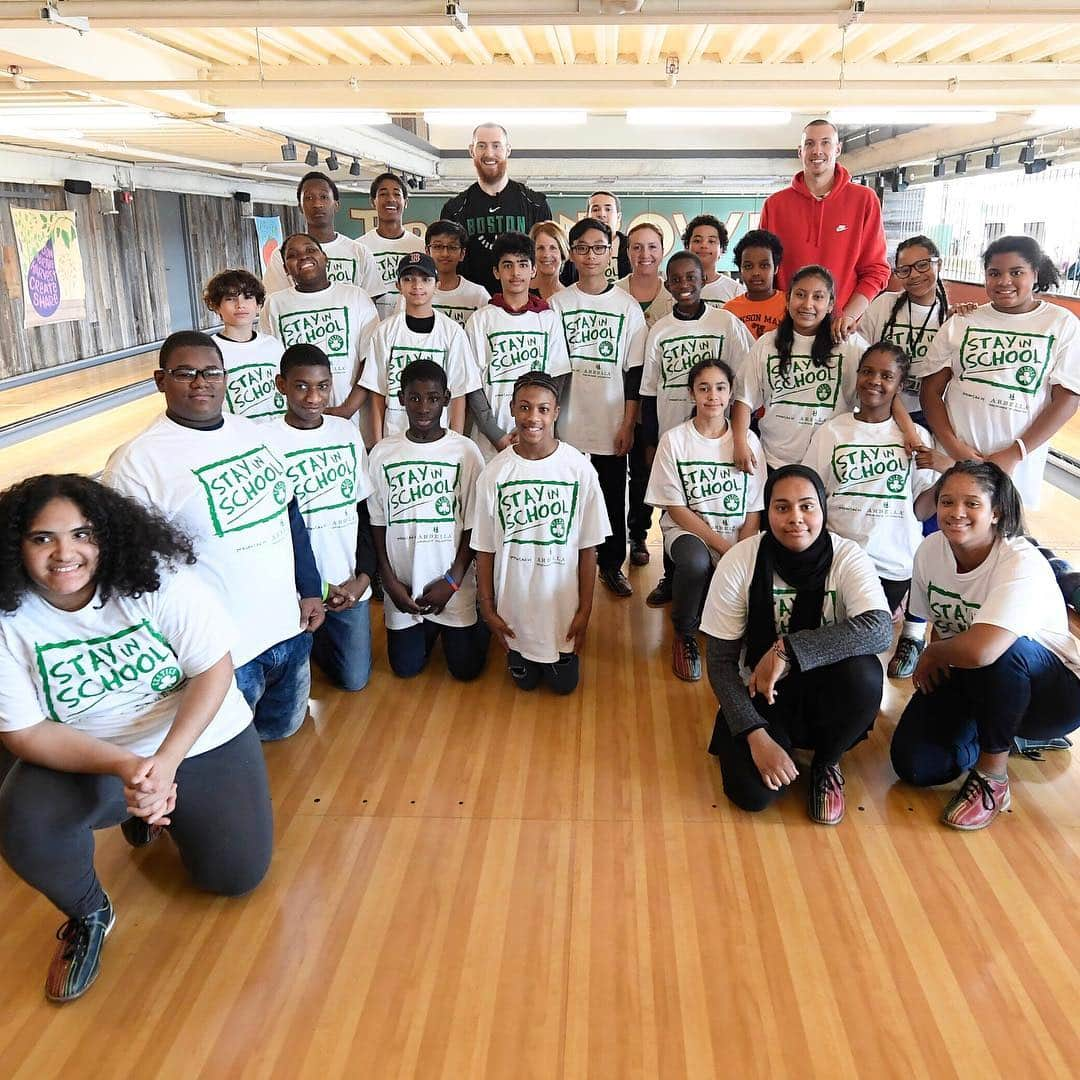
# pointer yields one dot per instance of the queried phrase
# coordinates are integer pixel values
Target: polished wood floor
(470, 882)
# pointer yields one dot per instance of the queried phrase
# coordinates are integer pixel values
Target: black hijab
(804, 571)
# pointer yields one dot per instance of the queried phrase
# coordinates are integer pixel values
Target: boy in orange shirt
(762, 306)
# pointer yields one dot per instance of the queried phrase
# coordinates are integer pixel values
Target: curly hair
(133, 542)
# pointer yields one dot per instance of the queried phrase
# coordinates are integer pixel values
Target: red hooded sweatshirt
(842, 232)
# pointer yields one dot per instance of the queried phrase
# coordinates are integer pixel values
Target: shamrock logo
(335, 343)
(895, 483)
(558, 528)
(1025, 375)
(605, 349)
(279, 492)
(347, 487)
(824, 392)
(165, 679)
(443, 506)
(731, 503)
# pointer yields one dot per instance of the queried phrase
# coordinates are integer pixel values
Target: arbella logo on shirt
(250, 391)
(593, 337)
(950, 612)
(784, 606)
(539, 512)
(400, 357)
(137, 663)
(679, 354)
(421, 492)
(873, 471)
(1004, 359)
(324, 477)
(514, 352)
(805, 384)
(244, 490)
(326, 327)
(714, 489)
(341, 271)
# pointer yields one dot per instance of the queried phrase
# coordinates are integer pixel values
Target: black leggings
(693, 569)
(827, 710)
(895, 591)
(222, 824)
(611, 472)
(562, 676)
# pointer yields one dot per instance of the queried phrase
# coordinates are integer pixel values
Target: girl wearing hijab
(805, 612)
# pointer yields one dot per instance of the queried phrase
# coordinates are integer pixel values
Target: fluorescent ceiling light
(284, 119)
(707, 117)
(91, 118)
(473, 118)
(872, 114)
(1055, 116)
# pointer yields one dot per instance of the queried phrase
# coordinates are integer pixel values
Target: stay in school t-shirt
(460, 303)
(1003, 368)
(800, 400)
(394, 346)
(872, 483)
(914, 330)
(387, 254)
(117, 671)
(339, 319)
(230, 492)
(758, 316)
(605, 337)
(699, 473)
(423, 496)
(328, 469)
(675, 345)
(507, 346)
(250, 370)
(348, 262)
(535, 517)
(717, 293)
(1013, 588)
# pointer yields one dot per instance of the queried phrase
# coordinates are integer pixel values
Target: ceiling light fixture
(509, 118)
(707, 117)
(312, 156)
(332, 162)
(856, 116)
(993, 159)
(290, 119)
(288, 151)
(354, 168)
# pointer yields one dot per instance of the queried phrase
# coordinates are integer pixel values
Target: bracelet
(1023, 448)
(778, 648)
(450, 581)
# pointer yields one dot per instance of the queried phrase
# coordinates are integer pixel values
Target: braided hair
(785, 332)
(940, 296)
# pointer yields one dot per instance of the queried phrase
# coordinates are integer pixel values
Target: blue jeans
(276, 685)
(342, 647)
(465, 648)
(1027, 691)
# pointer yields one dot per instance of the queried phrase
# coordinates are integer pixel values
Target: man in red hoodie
(824, 218)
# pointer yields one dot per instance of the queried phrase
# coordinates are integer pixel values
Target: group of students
(160, 623)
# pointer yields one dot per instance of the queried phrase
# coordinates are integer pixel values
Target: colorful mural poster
(54, 288)
(270, 236)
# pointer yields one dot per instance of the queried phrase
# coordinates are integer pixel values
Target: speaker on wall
(78, 187)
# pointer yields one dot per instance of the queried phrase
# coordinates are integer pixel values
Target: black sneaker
(661, 595)
(138, 834)
(77, 960)
(639, 553)
(615, 581)
(1033, 748)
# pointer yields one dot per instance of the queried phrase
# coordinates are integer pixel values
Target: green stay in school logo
(128, 669)
(805, 384)
(421, 492)
(250, 391)
(872, 471)
(324, 477)
(403, 355)
(1004, 359)
(244, 490)
(593, 336)
(326, 327)
(950, 612)
(341, 271)
(460, 315)
(515, 352)
(714, 489)
(784, 606)
(679, 354)
(387, 262)
(538, 512)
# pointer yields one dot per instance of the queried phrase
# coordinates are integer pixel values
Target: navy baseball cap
(418, 262)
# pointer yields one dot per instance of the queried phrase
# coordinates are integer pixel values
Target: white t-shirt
(1003, 367)
(535, 517)
(802, 400)
(675, 345)
(250, 369)
(699, 473)
(423, 496)
(1013, 588)
(851, 589)
(507, 346)
(872, 483)
(328, 469)
(348, 262)
(459, 304)
(658, 307)
(717, 293)
(387, 257)
(229, 491)
(914, 331)
(339, 319)
(394, 346)
(605, 337)
(117, 671)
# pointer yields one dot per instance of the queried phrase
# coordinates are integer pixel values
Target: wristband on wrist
(450, 581)
(1023, 448)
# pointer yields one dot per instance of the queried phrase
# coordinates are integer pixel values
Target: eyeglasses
(444, 249)
(584, 249)
(190, 374)
(919, 267)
